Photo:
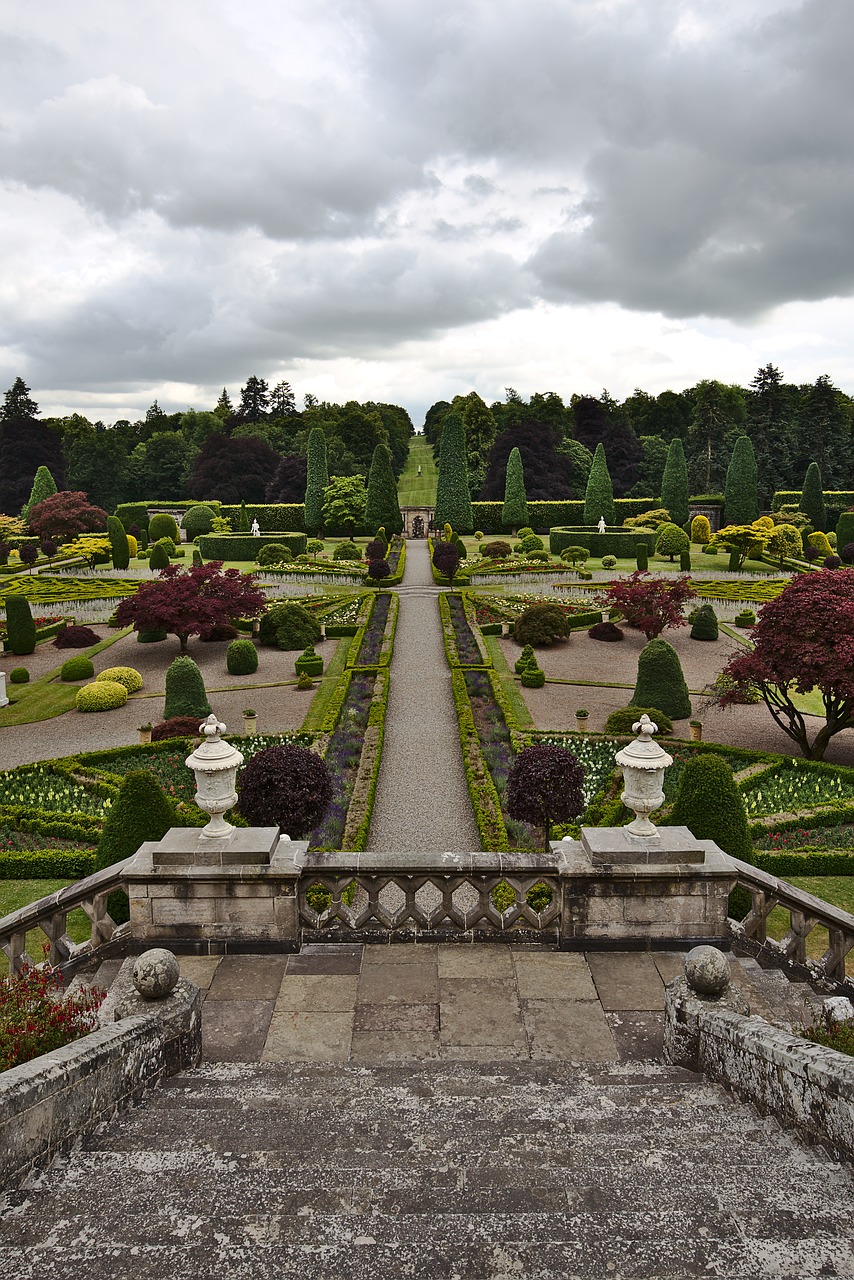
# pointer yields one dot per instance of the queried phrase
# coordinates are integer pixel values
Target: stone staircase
(493, 1171)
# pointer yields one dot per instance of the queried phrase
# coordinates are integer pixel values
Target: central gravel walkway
(422, 801)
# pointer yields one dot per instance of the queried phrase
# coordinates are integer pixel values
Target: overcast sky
(405, 199)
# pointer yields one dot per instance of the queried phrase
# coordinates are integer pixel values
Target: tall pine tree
(317, 478)
(599, 498)
(741, 504)
(771, 427)
(514, 514)
(674, 483)
(453, 502)
(824, 432)
(382, 509)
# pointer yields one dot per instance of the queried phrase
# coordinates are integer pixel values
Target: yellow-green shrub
(127, 676)
(701, 531)
(102, 695)
(133, 545)
(819, 540)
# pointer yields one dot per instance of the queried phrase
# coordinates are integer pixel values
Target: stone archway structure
(417, 521)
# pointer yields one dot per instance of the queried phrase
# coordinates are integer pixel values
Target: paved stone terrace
(416, 1003)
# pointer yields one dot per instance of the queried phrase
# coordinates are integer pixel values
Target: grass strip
(43, 699)
(330, 683)
(516, 712)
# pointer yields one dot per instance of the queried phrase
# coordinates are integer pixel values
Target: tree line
(255, 450)
(788, 425)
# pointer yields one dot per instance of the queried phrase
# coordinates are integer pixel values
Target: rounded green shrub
(168, 546)
(575, 555)
(130, 678)
(701, 531)
(530, 542)
(139, 813)
(671, 541)
(19, 675)
(159, 557)
(541, 624)
(163, 526)
(497, 550)
(533, 678)
(151, 636)
(525, 532)
(609, 562)
(538, 557)
(103, 695)
(624, 720)
(527, 658)
(241, 658)
(314, 546)
(185, 690)
(274, 553)
(198, 520)
(20, 628)
(346, 551)
(710, 550)
(660, 682)
(289, 626)
(642, 555)
(710, 805)
(705, 624)
(747, 618)
(79, 668)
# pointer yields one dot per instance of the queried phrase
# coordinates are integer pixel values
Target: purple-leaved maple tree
(188, 602)
(648, 603)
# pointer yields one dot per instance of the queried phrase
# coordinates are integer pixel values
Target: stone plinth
(624, 893)
(215, 896)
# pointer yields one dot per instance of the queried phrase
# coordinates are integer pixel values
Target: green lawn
(15, 894)
(837, 890)
(47, 697)
(414, 490)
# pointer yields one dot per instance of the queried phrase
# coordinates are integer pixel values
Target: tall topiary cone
(139, 812)
(812, 498)
(674, 483)
(599, 497)
(119, 545)
(185, 690)
(316, 479)
(660, 681)
(382, 508)
(514, 513)
(20, 628)
(709, 804)
(243, 518)
(741, 501)
(453, 502)
(44, 486)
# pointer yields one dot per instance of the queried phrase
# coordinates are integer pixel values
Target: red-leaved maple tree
(65, 514)
(803, 640)
(188, 602)
(648, 603)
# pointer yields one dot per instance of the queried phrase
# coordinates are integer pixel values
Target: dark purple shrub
(286, 787)
(76, 638)
(605, 631)
(545, 786)
(811, 553)
(496, 550)
(831, 562)
(446, 558)
(176, 727)
(848, 553)
(29, 553)
(48, 547)
(133, 530)
(378, 569)
(376, 550)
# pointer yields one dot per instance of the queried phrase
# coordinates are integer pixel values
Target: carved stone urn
(643, 763)
(215, 764)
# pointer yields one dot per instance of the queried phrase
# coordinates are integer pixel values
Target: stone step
(789, 1004)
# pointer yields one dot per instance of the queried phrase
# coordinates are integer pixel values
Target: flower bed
(34, 1018)
(796, 786)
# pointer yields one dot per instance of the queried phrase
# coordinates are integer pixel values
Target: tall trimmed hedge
(514, 513)
(614, 542)
(543, 516)
(287, 516)
(316, 480)
(119, 545)
(674, 483)
(812, 498)
(599, 495)
(382, 510)
(245, 546)
(453, 500)
(741, 500)
(185, 690)
(844, 530)
(20, 627)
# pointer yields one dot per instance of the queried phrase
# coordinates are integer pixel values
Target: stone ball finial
(707, 971)
(155, 973)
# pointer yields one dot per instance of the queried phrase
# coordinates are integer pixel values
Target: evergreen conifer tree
(514, 514)
(43, 486)
(20, 627)
(119, 545)
(242, 519)
(317, 479)
(741, 503)
(599, 497)
(812, 498)
(185, 690)
(382, 509)
(710, 805)
(453, 503)
(140, 812)
(674, 483)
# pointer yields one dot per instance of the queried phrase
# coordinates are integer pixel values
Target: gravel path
(422, 800)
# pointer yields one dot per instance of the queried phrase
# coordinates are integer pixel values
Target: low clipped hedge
(127, 676)
(79, 668)
(102, 695)
(47, 864)
(546, 515)
(622, 543)
(243, 546)
(289, 516)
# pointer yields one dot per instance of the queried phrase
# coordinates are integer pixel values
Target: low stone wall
(47, 1104)
(804, 1085)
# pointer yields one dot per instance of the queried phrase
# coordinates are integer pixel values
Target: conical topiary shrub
(382, 508)
(527, 658)
(660, 682)
(812, 497)
(674, 483)
(709, 804)
(599, 495)
(705, 624)
(140, 812)
(514, 513)
(185, 690)
(20, 628)
(119, 545)
(741, 502)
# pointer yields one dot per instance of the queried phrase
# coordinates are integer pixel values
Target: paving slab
(626, 980)
(551, 976)
(397, 1017)
(477, 1011)
(324, 959)
(484, 1053)
(399, 984)
(393, 953)
(395, 1046)
(476, 962)
(199, 969)
(248, 977)
(638, 1035)
(568, 1030)
(308, 1037)
(317, 993)
(235, 1030)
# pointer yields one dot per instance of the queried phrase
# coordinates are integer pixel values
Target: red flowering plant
(36, 1017)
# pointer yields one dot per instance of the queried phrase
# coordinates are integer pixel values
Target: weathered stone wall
(46, 1104)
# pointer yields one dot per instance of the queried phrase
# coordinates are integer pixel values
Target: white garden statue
(601, 525)
(256, 528)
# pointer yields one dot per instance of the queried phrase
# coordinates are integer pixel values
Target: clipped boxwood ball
(77, 669)
(103, 695)
(241, 658)
(20, 675)
(346, 551)
(151, 636)
(704, 624)
(622, 721)
(533, 677)
(127, 676)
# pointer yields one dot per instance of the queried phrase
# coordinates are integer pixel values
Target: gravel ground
(279, 708)
(554, 706)
(422, 801)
